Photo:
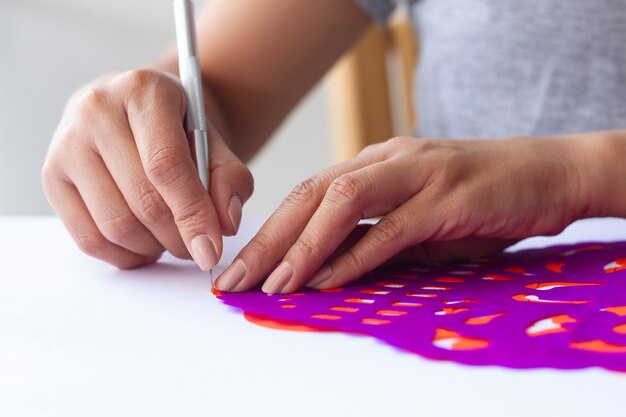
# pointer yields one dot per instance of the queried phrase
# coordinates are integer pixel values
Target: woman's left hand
(438, 200)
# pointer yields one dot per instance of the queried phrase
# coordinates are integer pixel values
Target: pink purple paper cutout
(560, 307)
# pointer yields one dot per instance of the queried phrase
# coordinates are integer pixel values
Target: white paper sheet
(79, 338)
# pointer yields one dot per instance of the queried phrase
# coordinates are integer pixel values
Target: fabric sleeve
(378, 10)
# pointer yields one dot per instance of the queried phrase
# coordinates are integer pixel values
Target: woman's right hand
(120, 175)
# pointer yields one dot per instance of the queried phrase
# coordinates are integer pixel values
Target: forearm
(260, 58)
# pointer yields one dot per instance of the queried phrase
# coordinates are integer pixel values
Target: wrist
(596, 175)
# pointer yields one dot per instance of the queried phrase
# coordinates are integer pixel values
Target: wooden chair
(371, 88)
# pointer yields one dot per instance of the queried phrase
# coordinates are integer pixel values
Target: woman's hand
(439, 200)
(120, 175)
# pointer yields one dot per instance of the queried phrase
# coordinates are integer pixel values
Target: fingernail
(204, 252)
(321, 276)
(232, 276)
(234, 212)
(278, 279)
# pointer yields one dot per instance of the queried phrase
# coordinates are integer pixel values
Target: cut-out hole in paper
(390, 284)
(619, 310)
(376, 292)
(561, 307)
(451, 340)
(449, 279)
(620, 328)
(482, 319)
(517, 270)
(555, 267)
(449, 311)
(615, 266)
(531, 298)
(547, 286)
(420, 295)
(466, 300)
(345, 309)
(495, 277)
(325, 316)
(436, 288)
(393, 313)
(406, 304)
(375, 322)
(599, 346)
(359, 300)
(550, 325)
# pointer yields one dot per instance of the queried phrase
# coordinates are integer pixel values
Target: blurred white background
(50, 47)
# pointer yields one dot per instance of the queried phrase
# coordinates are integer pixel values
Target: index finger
(284, 226)
(156, 121)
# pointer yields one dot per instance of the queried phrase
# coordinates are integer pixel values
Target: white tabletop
(79, 338)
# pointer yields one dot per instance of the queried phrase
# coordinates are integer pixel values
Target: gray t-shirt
(496, 68)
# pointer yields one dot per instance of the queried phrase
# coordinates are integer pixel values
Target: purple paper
(559, 307)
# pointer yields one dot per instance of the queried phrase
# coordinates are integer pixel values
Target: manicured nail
(204, 252)
(278, 279)
(321, 276)
(233, 275)
(234, 212)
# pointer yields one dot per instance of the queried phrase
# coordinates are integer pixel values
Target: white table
(79, 338)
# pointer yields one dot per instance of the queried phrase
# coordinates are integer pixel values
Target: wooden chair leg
(360, 97)
(371, 88)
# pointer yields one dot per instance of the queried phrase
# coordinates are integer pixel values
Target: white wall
(50, 47)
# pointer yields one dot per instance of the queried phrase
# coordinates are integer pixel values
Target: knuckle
(262, 243)
(126, 264)
(164, 166)
(445, 159)
(140, 78)
(243, 176)
(126, 260)
(151, 206)
(372, 149)
(398, 141)
(353, 261)
(179, 251)
(306, 244)
(308, 190)
(387, 230)
(346, 189)
(91, 105)
(147, 86)
(442, 150)
(48, 175)
(92, 244)
(94, 98)
(191, 217)
(120, 229)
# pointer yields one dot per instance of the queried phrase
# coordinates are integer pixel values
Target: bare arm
(259, 58)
